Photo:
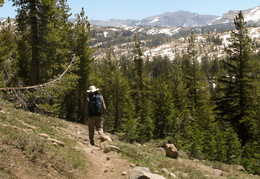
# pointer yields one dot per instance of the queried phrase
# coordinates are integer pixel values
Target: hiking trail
(101, 164)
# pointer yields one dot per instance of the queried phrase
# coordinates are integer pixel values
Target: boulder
(172, 175)
(164, 170)
(144, 173)
(108, 148)
(241, 168)
(46, 136)
(54, 141)
(217, 172)
(106, 138)
(171, 151)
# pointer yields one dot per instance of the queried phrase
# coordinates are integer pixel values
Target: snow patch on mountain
(253, 15)
(250, 15)
(153, 30)
(167, 31)
(180, 45)
(154, 20)
(163, 50)
(225, 40)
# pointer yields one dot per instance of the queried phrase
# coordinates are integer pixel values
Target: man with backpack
(96, 110)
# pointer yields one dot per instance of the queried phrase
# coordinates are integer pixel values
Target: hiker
(96, 111)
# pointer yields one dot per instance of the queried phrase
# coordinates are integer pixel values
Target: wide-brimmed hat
(92, 89)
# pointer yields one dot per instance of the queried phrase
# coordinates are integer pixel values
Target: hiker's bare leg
(99, 126)
(91, 129)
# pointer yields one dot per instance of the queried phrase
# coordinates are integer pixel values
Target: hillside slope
(35, 146)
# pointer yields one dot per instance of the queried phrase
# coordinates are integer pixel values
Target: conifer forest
(209, 108)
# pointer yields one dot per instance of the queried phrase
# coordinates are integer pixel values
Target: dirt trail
(102, 165)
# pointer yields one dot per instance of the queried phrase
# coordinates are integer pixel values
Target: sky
(139, 9)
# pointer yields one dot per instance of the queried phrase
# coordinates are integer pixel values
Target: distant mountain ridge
(178, 19)
(170, 19)
(184, 19)
(250, 15)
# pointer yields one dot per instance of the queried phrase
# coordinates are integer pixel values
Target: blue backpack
(95, 105)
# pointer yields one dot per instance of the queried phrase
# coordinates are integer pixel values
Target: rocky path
(101, 165)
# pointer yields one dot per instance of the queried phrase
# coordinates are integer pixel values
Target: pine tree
(35, 42)
(196, 101)
(191, 70)
(251, 151)
(209, 143)
(24, 43)
(116, 90)
(28, 27)
(251, 157)
(141, 94)
(193, 73)
(163, 109)
(139, 83)
(84, 52)
(180, 98)
(55, 37)
(232, 147)
(220, 142)
(178, 86)
(236, 94)
(42, 30)
(8, 53)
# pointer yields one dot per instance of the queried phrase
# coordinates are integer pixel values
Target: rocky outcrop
(143, 172)
(171, 151)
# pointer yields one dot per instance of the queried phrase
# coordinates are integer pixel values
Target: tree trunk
(35, 63)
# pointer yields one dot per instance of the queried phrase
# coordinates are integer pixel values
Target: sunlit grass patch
(19, 131)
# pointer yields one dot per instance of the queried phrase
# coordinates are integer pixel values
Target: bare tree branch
(44, 84)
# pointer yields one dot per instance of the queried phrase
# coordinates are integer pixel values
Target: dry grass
(24, 153)
(148, 156)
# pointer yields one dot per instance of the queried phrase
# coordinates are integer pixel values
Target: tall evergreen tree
(178, 85)
(41, 27)
(8, 53)
(163, 109)
(43, 32)
(116, 91)
(191, 69)
(196, 81)
(55, 34)
(197, 102)
(28, 26)
(236, 85)
(84, 52)
(24, 42)
(141, 94)
(34, 34)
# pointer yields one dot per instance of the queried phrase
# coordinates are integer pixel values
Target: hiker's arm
(104, 107)
(86, 111)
